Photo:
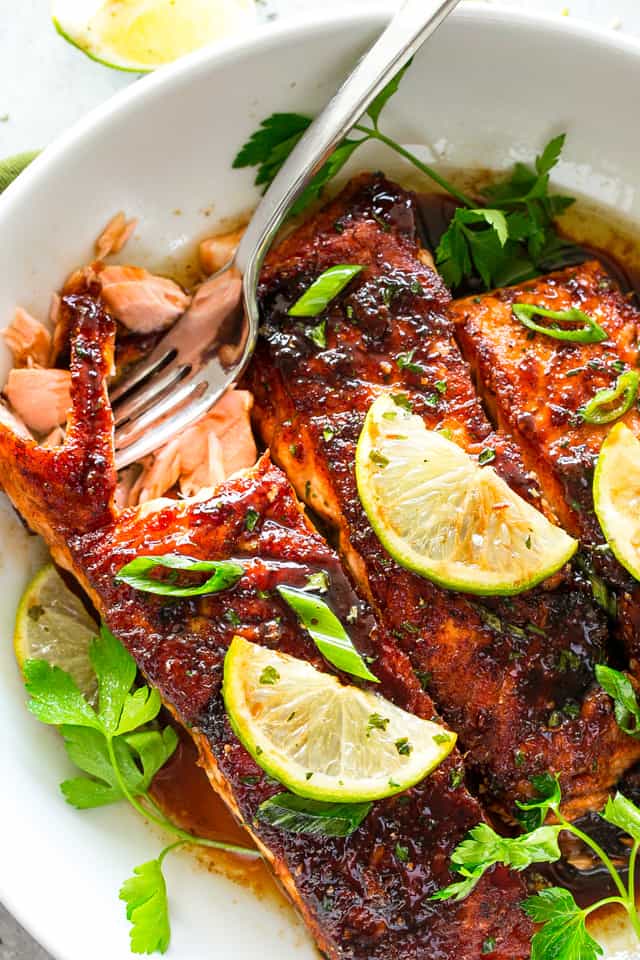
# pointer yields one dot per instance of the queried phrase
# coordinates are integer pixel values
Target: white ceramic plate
(492, 87)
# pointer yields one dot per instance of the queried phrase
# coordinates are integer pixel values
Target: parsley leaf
(139, 756)
(473, 242)
(270, 145)
(624, 814)
(145, 894)
(116, 671)
(483, 848)
(549, 797)
(55, 698)
(510, 240)
(625, 701)
(377, 105)
(120, 755)
(564, 935)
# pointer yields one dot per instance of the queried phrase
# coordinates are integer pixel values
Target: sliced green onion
(330, 637)
(623, 395)
(318, 334)
(323, 290)
(136, 574)
(316, 818)
(589, 332)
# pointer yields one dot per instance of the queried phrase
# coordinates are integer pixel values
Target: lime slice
(616, 496)
(321, 738)
(442, 515)
(141, 35)
(53, 625)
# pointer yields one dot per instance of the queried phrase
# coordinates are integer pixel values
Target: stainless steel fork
(196, 362)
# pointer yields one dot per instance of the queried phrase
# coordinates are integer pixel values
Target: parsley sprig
(119, 749)
(505, 236)
(563, 934)
(625, 701)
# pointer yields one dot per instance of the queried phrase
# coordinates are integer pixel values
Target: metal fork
(195, 363)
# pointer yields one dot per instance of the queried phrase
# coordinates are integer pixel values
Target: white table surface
(46, 85)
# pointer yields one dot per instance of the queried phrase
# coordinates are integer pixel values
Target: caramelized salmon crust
(514, 677)
(536, 386)
(360, 900)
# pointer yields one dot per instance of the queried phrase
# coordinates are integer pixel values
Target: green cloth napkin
(12, 166)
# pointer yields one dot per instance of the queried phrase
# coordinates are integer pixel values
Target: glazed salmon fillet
(360, 901)
(514, 677)
(535, 387)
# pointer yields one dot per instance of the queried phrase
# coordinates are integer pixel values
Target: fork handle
(411, 25)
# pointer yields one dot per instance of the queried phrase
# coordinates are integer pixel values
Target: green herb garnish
(322, 291)
(269, 676)
(314, 818)
(625, 700)
(120, 753)
(226, 573)
(318, 581)
(250, 520)
(378, 458)
(402, 400)
(610, 404)
(402, 853)
(563, 933)
(510, 240)
(328, 634)
(590, 330)
(376, 722)
(405, 362)
(318, 334)
(486, 456)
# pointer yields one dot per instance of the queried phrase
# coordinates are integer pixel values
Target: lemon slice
(616, 496)
(442, 515)
(320, 738)
(141, 35)
(53, 625)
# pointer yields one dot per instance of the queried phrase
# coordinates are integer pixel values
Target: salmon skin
(536, 386)
(514, 677)
(360, 900)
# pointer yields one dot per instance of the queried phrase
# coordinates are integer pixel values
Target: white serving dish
(492, 87)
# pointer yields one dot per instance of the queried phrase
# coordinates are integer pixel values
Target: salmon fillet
(514, 677)
(535, 387)
(360, 900)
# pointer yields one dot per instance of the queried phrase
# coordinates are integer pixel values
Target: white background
(45, 85)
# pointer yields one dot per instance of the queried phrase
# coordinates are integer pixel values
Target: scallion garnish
(612, 402)
(323, 290)
(589, 332)
(226, 573)
(318, 334)
(328, 634)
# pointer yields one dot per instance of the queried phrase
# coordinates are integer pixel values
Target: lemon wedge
(53, 625)
(140, 35)
(616, 495)
(442, 515)
(321, 738)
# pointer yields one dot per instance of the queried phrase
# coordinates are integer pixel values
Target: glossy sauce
(183, 791)
(182, 788)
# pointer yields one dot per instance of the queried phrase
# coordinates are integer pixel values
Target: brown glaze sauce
(182, 788)
(183, 791)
